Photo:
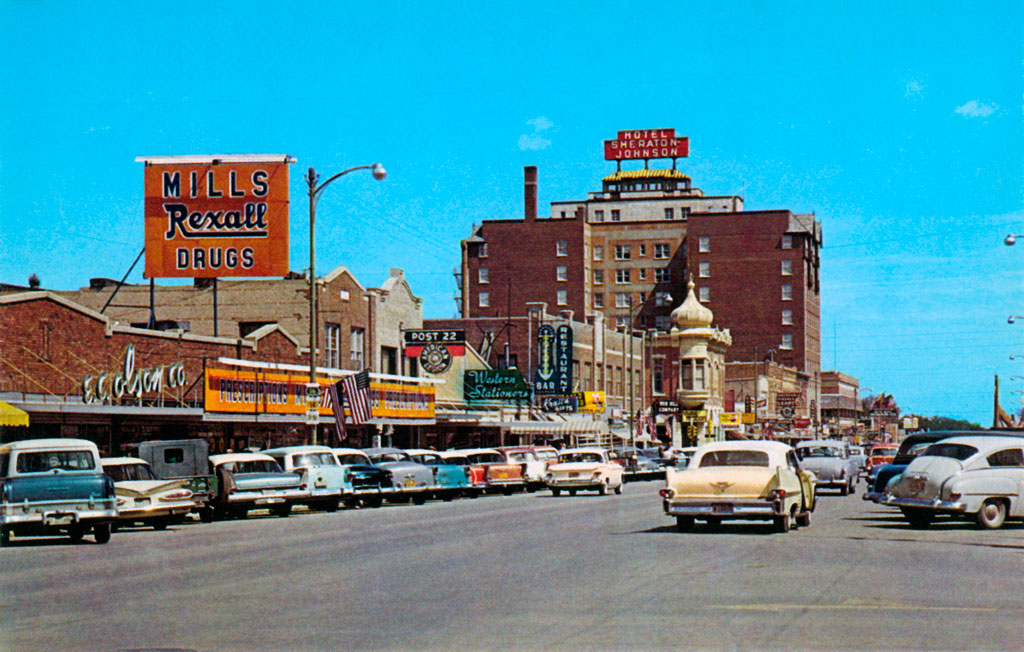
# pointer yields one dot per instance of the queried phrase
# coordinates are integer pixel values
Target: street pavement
(529, 572)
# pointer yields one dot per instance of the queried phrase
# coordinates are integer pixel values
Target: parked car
(495, 471)
(144, 498)
(321, 472)
(533, 468)
(254, 481)
(475, 473)
(51, 486)
(748, 480)
(589, 468)
(546, 454)
(452, 478)
(684, 455)
(981, 477)
(365, 484)
(187, 459)
(858, 455)
(413, 481)
(830, 462)
(912, 446)
(877, 456)
(635, 463)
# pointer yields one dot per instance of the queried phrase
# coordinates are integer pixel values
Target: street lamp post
(313, 388)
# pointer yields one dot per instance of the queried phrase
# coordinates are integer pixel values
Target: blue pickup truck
(54, 486)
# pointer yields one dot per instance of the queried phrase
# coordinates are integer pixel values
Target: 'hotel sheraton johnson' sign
(214, 216)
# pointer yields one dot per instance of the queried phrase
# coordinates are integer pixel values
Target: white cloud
(533, 142)
(976, 109)
(914, 89)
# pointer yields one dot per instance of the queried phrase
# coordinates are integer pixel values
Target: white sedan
(584, 468)
(144, 498)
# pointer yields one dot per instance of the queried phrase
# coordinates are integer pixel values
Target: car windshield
(40, 461)
(817, 451)
(428, 458)
(567, 458)
(314, 459)
(128, 472)
(888, 451)
(520, 456)
(734, 458)
(253, 466)
(353, 459)
(486, 458)
(546, 455)
(956, 451)
(389, 457)
(462, 461)
(918, 449)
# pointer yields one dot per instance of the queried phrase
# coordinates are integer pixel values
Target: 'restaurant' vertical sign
(214, 216)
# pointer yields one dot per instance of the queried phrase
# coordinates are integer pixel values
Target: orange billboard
(209, 217)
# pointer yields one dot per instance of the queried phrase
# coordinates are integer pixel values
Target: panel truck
(54, 486)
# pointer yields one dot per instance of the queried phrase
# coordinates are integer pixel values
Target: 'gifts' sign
(214, 216)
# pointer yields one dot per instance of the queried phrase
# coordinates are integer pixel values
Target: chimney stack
(530, 192)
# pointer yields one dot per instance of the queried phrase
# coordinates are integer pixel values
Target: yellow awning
(12, 416)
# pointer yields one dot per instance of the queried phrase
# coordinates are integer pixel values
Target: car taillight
(667, 493)
(184, 494)
(778, 493)
(953, 495)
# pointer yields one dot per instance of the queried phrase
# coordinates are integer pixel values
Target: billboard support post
(312, 177)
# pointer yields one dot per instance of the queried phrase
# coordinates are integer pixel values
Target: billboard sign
(554, 360)
(216, 216)
(643, 144)
(560, 403)
(591, 402)
(435, 348)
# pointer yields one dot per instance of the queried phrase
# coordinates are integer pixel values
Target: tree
(946, 423)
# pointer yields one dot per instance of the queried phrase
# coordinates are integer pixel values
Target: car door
(1009, 463)
(806, 480)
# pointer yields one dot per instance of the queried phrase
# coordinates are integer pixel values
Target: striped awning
(555, 428)
(12, 416)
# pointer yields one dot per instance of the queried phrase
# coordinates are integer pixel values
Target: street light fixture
(379, 173)
(1012, 239)
(1014, 356)
(1013, 318)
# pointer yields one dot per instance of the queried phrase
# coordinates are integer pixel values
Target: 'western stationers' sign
(213, 216)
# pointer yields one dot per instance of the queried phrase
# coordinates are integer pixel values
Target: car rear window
(734, 458)
(956, 451)
(40, 461)
(353, 459)
(128, 472)
(314, 459)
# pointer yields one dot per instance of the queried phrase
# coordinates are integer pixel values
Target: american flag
(357, 395)
(338, 408)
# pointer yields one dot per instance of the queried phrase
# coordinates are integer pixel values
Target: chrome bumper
(725, 510)
(275, 498)
(925, 503)
(58, 517)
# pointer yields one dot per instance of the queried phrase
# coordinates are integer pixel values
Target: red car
(880, 455)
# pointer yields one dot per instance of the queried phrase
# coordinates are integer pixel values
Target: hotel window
(643, 273)
(622, 252)
(704, 271)
(704, 294)
(661, 251)
(616, 215)
(598, 277)
(622, 322)
(684, 212)
(485, 300)
(598, 252)
(563, 297)
(622, 299)
(562, 273)
(622, 276)
(704, 244)
(643, 250)
(787, 242)
(787, 341)
(333, 345)
(356, 347)
(599, 301)
(787, 268)
(482, 250)
(662, 299)
(787, 317)
(483, 276)
(657, 376)
(599, 216)
(561, 248)
(670, 214)
(662, 275)
(662, 322)
(787, 292)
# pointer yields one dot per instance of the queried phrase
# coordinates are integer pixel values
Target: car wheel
(618, 489)
(684, 523)
(101, 532)
(713, 522)
(373, 501)
(572, 492)
(803, 520)
(5, 537)
(159, 524)
(282, 511)
(206, 515)
(918, 518)
(782, 523)
(556, 492)
(844, 490)
(419, 498)
(992, 514)
(332, 505)
(603, 489)
(507, 491)
(76, 532)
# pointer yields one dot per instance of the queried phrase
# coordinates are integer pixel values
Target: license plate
(721, 509)
(60, 520)
(574, 474)
(410, 483)
(269, 501)
(916, 485)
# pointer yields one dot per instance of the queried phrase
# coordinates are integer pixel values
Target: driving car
(877, 456)
(413, 481)
(254, 481)
(912, 446)
(830, 461)
(321, 472)
(980, 477)
(748, 480)
(858, 455)
(588, 468)
(636, 464)
(365, 484)
(144, 498)
(451, 477)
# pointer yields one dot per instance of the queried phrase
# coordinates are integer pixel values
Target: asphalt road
(528, 572)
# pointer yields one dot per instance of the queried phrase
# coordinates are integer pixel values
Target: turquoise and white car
(321, 472)
(452, 480)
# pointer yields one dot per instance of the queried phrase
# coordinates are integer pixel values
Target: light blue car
(452, 479)
(321, 473)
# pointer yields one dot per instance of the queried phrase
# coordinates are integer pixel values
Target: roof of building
(691, 313)
(644, 174)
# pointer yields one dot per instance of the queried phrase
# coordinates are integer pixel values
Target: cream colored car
(740, 480)
(584, 468)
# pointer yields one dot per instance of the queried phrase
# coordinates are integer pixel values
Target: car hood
(732, 481)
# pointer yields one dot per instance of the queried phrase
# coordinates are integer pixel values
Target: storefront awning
(554, 428)
(12, 416)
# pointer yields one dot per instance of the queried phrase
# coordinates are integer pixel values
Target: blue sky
(898, 124)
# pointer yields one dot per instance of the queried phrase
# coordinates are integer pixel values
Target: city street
(529, 572)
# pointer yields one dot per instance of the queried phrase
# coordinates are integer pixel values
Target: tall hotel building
(632, 247)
